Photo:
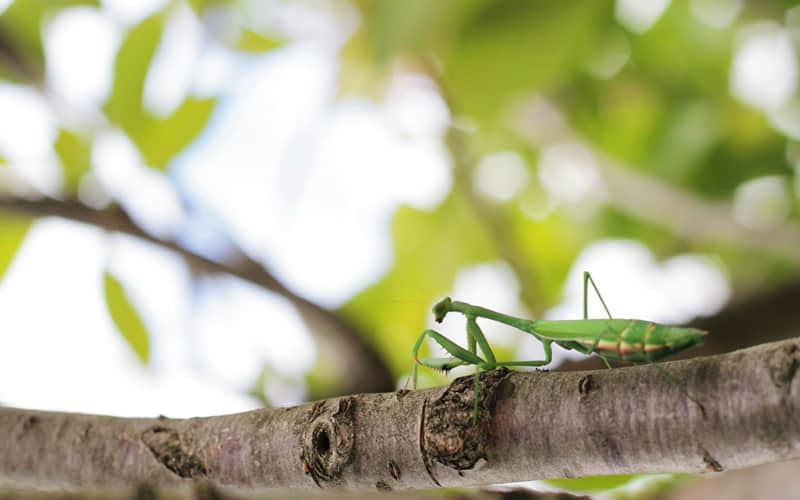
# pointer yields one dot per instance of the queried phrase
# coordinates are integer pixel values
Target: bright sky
(296, 177)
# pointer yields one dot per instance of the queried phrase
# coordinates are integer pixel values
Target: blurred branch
(464, 163)
(761, 317)
(491, 217)
(15, 62)
(742, 412)
(365, 369)
(688, 216)
(691, 218)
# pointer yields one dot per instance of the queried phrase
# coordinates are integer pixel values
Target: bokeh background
(212, 206)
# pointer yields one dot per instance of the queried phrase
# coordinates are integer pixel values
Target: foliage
(126, 318)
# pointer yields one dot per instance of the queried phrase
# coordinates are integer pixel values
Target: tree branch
(742, 411)
(366, 370)
(208, 491)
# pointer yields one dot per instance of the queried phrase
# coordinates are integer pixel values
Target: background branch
(367, 372)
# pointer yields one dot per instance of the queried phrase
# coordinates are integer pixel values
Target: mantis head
(441, 309)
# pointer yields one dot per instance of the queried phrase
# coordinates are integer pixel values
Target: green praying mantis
(632, 340)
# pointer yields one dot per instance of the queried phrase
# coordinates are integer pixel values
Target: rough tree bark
(208, 491)
(728, 411)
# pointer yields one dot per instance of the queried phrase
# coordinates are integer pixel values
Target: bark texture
(207, 491)
(701, 415)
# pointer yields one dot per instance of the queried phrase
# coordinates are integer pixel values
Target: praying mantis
(632, 340)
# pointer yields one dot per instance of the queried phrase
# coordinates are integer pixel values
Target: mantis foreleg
(474, 332)
(461, 356)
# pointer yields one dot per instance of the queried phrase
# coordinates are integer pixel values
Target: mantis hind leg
(548, 356)
(587, 278)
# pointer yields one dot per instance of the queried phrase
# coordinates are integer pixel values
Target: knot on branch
(327, 441)
(450, 435)
(165, 444)
(783, 365)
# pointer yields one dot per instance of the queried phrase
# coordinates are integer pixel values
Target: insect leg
(587, 278)
(593, 347)
(548, 356)
(476, 336)
(460, 355)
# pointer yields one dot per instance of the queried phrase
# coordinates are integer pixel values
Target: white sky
(296, 177)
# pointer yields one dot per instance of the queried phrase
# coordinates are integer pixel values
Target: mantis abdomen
(632, 340)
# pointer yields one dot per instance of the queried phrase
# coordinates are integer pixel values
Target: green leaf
(75, 153)
(124, 105)
(162, 139)
(12, 231)
(250, 41)
(126, 318)
(158, 139)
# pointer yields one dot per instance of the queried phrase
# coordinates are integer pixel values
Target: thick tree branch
(367, 372)
(208, 491)
(708, 414)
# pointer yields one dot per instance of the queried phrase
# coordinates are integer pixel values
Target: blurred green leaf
(13, 229)
(259, 388)
(429, 248)
(623, 117)
(548, 248)
(161, 139)
(126, 318)
(323, 381)
(75, 153)
(393, 28)
(21, 52)
(250, 41)
(199, 6)
(682, 56)
(158, 139)
(593, 483)
(515, 47)
(124, 105)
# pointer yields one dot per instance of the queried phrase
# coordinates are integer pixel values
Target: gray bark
(207, 491)
(706, 414)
